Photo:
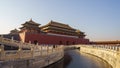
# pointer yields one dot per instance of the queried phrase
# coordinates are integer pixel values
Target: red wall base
(52, 39)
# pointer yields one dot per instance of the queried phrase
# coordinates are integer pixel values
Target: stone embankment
(109, 53)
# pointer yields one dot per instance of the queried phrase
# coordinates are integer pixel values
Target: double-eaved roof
(31, 22)
(57, 24)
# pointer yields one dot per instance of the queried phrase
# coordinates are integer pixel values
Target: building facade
(53, 33)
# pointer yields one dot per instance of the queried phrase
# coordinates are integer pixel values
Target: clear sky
(99, 19)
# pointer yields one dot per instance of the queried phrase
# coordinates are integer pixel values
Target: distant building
(51, 33)
(105, 42)
(15, 31)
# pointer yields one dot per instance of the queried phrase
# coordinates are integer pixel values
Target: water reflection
(82, 60)
(59, 64)
(63, 63)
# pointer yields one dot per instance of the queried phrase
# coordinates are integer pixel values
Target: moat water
(75, 59)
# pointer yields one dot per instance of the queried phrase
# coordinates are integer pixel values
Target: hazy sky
(99, 19)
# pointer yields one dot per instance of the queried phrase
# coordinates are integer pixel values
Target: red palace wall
(52, 39)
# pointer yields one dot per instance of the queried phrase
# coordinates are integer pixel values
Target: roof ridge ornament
(31, 19)
(51, 20)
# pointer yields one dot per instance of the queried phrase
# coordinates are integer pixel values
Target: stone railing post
(107, 47)
(20, 52)
(117, 49)
(37, 44)
(41, 50)
(55, 48)
(113, 47)
(12, 39)
(21, 44)
(2, 52)
(1, 37)
(29, 42)
(47, 50)
(32, 51)
(52, 48)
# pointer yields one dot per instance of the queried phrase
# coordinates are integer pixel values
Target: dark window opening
(60, 42)
(73, 43)
(67, 42)
(35, 42)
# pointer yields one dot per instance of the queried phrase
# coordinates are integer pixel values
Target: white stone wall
(108, 53)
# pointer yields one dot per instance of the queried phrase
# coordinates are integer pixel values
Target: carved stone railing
(45, 53)
(109, 53)
(25, 54)
(14, 43)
